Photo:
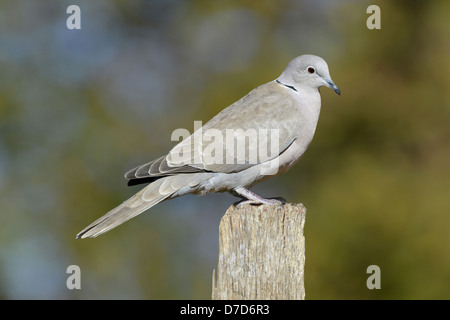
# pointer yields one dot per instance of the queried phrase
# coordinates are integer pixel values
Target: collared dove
(288, 106)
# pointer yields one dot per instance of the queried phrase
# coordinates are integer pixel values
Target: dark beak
(333, 86)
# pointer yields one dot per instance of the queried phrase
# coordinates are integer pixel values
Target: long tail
(151, 195)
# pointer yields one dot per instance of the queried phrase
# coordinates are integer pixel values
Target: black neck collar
(286, 85)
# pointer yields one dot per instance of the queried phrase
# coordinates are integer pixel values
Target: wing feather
(210, 149)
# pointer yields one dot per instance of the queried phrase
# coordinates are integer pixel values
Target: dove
(288, 108)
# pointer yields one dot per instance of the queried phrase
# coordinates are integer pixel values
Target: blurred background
(78, 108)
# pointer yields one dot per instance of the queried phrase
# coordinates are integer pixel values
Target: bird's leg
(253, 198)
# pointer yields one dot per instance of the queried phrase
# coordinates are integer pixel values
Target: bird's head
(308, 71)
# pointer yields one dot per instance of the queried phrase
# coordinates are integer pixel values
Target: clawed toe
(270, 202)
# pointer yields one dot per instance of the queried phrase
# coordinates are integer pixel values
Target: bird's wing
(255, 129)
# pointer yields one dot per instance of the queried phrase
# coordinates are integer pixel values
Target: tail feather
(141, 201)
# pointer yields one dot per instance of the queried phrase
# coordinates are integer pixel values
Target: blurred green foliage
(80, 107)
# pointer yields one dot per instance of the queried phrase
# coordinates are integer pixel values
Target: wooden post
(261, 253)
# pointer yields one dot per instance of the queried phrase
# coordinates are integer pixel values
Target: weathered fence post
(261, 253)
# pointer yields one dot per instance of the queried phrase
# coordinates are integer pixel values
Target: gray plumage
(290, 105)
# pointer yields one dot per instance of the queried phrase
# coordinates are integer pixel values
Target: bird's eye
(311, 70)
